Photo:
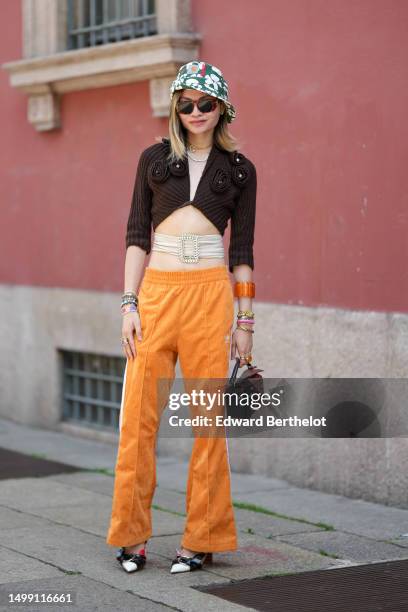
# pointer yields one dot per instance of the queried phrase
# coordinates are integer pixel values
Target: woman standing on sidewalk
(187, 186)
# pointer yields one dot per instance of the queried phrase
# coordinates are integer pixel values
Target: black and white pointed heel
(189, 564)
(132, 562)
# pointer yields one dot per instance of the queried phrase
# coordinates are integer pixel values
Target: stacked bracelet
(130, 302)
(246, 320)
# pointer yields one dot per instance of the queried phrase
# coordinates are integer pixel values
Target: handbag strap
(234, 371)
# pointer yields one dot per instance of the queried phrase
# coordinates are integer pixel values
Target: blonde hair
(177, 132)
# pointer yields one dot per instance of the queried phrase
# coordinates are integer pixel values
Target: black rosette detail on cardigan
(240, 174)
(158, 171)
(240, 170)
(178, 167)
(237, 158)
(220, 180)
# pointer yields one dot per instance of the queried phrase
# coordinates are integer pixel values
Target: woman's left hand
(241, 343)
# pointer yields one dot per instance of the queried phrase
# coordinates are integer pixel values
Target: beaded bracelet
(129, 299)
(130, 308)
(249, 313)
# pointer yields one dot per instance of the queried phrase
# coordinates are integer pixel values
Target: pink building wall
(321, 95)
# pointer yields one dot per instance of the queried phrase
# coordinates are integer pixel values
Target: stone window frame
(48, 70)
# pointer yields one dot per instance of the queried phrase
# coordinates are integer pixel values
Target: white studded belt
(189, 247)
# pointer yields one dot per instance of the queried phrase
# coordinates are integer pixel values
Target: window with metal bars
(97, 22)
(92, 389)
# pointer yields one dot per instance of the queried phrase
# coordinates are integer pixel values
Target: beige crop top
(196, 169)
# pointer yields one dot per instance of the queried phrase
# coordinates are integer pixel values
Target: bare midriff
(190, 219)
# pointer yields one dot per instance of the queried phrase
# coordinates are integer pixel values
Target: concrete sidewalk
(53, 529)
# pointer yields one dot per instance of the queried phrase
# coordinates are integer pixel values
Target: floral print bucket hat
(205, 78)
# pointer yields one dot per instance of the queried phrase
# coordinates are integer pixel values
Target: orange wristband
(244, 289)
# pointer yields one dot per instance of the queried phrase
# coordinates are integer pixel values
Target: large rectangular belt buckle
(192, 240)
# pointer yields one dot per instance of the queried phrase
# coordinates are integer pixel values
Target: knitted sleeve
(139, 222)
(243, 223)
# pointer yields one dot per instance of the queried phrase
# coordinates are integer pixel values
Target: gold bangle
(245, 329)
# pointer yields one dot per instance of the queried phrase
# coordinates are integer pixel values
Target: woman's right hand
(131, 323)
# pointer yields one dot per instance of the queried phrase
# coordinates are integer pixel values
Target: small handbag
(249, 382)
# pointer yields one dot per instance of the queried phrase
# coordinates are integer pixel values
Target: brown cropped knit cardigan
(227, 189)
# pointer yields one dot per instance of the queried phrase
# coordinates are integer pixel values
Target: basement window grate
(92, 389)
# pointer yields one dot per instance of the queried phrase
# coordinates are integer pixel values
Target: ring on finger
(247, 358)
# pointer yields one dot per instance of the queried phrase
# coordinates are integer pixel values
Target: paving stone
(93, 516)
(172, 500)
(103, 484)
(16, 566)
(30, 493)
(174, 476)
(268, 526)
(250, 483)
(260, 523)
(256, 556)
(347, 546)
(86, 594)
(14, 519)
(58, 446)
(95, 519)
(344, 514)
(90, 481)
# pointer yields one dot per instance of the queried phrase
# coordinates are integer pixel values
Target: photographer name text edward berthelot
(230, 421)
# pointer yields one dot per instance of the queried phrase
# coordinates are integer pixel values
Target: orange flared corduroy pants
(186, 314)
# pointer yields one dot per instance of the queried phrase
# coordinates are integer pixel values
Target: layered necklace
(192, 149)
